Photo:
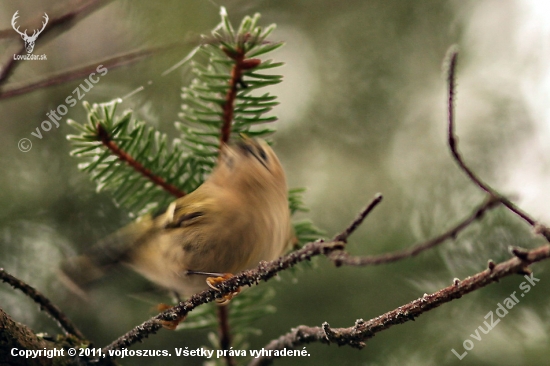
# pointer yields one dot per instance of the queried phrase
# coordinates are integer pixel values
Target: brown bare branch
(343, 236)
(45, 304)
(70, 75)
(264, 272)
(453, 146)
(356, 335)
(341, 257)
(56, 27)
(225, 333)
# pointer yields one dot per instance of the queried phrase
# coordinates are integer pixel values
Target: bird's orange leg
(169, 324)
(213, 280)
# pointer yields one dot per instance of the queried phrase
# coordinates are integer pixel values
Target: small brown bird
(238, 217)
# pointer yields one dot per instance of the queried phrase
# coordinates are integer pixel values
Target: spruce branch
(107, 141)
(133, 160)
(223, 100)
(123, 155)
(344, 235)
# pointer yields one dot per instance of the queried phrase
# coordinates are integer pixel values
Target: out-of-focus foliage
(362, 110)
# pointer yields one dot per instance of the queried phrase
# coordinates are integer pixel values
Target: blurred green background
(362, 111)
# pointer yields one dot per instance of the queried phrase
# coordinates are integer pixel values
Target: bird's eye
(262, 154)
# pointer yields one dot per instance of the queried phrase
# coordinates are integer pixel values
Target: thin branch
(105, 139)
(45, 304)
(339, 258)
(67, 20)
(225, 333)
(70, 75)
(228, 107)
(343, 236)
(356, 335)
(8, 67)
(453, 146)
(236, 79)
(264, 272)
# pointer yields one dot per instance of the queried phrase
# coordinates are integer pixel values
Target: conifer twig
(236, 79)
(105, 139)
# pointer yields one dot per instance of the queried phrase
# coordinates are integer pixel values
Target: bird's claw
(214, 281)
(169, 324)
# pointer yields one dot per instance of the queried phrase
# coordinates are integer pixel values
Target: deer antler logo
(29, 40)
